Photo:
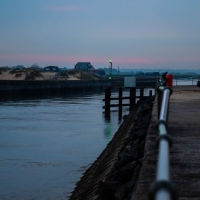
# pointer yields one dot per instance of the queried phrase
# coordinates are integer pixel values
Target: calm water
(48, 143)
(185, 81)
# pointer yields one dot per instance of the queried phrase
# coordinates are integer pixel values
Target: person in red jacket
(169, 80)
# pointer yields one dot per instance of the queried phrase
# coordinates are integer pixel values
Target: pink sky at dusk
(62, 61)
(70, 59)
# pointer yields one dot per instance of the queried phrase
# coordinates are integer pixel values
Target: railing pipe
(162, 188)
(159, 98)
(165, 105)
(163, 161)
(162, 195)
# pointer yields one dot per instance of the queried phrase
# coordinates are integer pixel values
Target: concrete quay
(184, 127)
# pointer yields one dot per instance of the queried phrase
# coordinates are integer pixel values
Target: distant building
(51, 69)
(84, 66)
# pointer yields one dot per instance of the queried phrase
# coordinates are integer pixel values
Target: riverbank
(114, 173)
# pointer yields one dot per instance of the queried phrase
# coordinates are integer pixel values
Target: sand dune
(28, 74)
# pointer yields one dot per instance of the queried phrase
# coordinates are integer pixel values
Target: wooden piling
(107, 102)
(120, 102)
(150, 93)
(141, 93)
(132, 97)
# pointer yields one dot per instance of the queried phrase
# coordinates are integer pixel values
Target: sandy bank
(28, 74)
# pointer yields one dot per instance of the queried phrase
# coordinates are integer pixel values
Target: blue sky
(133, 33)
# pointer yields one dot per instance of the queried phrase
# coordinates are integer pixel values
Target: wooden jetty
(132, 98)
(184, 127)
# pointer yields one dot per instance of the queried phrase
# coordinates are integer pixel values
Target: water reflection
(120, 120)
(108, 129)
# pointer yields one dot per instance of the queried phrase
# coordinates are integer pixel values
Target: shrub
(33, 75)
(62, 73)
(86, 76)
(74, 72)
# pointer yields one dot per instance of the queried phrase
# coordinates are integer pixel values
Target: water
(48, 143)
(186, 81)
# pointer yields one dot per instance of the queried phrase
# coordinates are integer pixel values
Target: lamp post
(110, 77)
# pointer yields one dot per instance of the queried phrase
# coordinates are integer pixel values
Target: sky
(132, 33)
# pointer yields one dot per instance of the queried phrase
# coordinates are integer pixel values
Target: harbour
(99, 100)
(47, 143)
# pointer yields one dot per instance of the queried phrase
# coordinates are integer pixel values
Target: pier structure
(132, 84)
(131, 97)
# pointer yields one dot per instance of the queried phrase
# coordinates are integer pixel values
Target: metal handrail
(163, 188)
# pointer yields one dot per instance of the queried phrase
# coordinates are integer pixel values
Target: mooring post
(107, 102)
(132, 96)
(109, 91)
(141, 93)
(120, 102)
(150, 93)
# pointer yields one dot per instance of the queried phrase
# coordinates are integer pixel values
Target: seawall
(11, 86)
(22, 86)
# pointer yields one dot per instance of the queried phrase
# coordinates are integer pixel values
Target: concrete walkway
(184, 127)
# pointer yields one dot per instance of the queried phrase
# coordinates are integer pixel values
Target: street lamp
(110, 77)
